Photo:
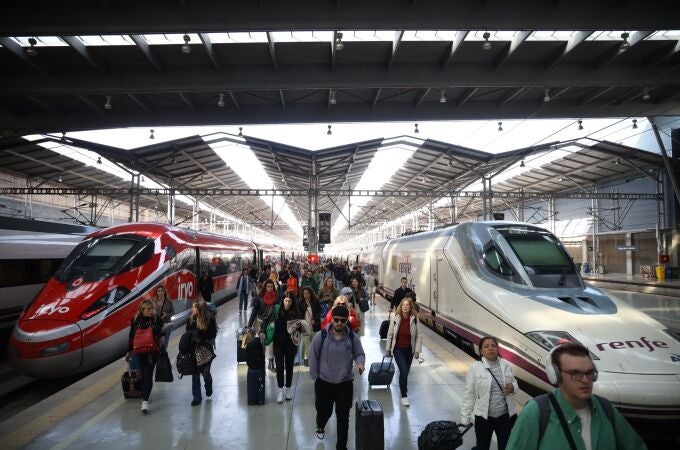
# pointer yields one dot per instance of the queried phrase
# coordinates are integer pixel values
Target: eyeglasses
(576, 375)
(339, 320)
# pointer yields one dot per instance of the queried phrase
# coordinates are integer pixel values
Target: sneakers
(195, 402)
(289, 393)
(404, 401)
(320, 432)
(279, 398)
(145, 407)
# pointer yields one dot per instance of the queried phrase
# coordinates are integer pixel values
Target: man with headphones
(571, 417)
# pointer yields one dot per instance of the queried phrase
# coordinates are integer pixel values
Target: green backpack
(271, 326)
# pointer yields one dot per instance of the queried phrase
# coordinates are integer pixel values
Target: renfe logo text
(643, 342)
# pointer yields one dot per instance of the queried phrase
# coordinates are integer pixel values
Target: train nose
(46, 348)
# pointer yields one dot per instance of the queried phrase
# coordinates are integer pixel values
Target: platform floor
(93, 413)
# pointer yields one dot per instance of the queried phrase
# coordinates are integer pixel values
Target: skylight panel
(106, 40)
(663, 35)
(238, 38)
(494, 35)
(608, 35)
(551, 35)
(368, 35)
(429, 35)
(170, 39)
(41, 41)
(303, 36)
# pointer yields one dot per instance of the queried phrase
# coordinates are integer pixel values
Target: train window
(103, 255)
(19, 272)
(143, 256)
(495, 261)
(541, 253)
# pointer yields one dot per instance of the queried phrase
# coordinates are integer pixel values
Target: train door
(434, 281)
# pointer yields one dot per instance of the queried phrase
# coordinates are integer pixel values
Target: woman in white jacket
(488, 387)
(404, 342)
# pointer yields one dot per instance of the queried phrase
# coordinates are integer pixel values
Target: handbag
(269, 333)
(363, 305)
(163, 369)
(204, 355)
(144, 341)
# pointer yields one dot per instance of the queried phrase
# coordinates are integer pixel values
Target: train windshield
(105, 256)
(542, 257)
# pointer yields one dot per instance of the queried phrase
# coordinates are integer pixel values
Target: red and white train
(81, 318)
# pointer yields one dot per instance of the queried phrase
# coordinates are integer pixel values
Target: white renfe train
(516, 281)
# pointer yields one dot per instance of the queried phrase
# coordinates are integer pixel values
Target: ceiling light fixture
(560, 179)
(99, 159)
(32, 51)
(59, 179)
(339, 45)
(416, 131)
(546, 95)
(521, 163)
(616, 162)
(645, 95)
(635, 124)
(625, 45)
(186, 49)
(108, 105)
(500, 127)
(442, 98)
(580, 124)
(329, 132)
(240, 131)
(151, 136)
(332, 99)
(220, 100)
(486, 45)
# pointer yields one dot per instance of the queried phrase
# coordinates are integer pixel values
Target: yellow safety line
(78, 431)
(42, 423)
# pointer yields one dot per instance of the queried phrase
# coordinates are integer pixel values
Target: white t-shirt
(585, 415)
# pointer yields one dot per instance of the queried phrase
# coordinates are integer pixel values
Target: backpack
(185, 342)
(441, 435)
(544, 409)
(324, 335)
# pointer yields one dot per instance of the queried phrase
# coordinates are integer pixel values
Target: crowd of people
(319, 311)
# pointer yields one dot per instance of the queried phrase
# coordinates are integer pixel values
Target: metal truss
(335, 193)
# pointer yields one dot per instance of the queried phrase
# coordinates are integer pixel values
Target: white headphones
(553, 372)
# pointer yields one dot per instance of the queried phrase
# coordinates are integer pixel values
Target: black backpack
(441, 435)
(185, 342)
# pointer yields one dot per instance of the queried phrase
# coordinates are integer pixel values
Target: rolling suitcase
(442, 435)
(132, 382)
(240, 351)
(255, 386)
(369, 427)
(384, 327)
(381, 373)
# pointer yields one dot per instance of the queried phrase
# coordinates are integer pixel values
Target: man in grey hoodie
(330, 365)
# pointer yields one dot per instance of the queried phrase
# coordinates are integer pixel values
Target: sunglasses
(339, 320)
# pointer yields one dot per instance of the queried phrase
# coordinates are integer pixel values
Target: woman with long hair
(143, 342)
(358, 294)
(489, 386)
(165, 310)
(327, 295)
(284, 347)
(310, 311)
(263, 305)
(352, 322)
(203, 327)
(404, 342)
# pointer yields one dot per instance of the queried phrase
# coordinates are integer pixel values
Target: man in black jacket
(399, 294)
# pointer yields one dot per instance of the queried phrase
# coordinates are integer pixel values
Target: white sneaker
(279, 398)
(145, 407)
(289, 394)
(404, 401)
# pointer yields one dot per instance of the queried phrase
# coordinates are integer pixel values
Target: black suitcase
(384, 328)
(369, 429)
(442, 435)
(132, 382)
(255, 386)
(381, 373)
(240, 351)
(255, 354)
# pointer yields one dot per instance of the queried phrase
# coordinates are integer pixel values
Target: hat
(346, 290)
(340, 311)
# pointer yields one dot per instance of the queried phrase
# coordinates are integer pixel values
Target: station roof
(106, 64)
(194, 163)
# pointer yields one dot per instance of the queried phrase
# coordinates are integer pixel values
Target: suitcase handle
(383, 361)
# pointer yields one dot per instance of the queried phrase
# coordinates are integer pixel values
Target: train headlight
(55, 350)
(550, 339)
(108, 299)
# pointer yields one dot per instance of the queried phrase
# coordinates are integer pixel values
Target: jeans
(243, 301)
(196, 382)
(484, 428)
(284, 354)
(403, 358)
(147, 362)
(326, 395)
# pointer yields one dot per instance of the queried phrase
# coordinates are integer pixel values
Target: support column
(629, 255)
(312, 224)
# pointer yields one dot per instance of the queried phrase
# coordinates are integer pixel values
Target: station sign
(324, 228)
(305, 236)
(626, 248)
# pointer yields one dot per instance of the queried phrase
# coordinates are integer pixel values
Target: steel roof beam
(143, 46)
(664, 54)
(594, 94)
(139, 100)
(186, 98)
(519, 38)
(421, 97)
(452, 49)
(208, 47)
(611, 54)
(559, 56)
(84, 51)
(232, 96)
(33, 61)
(396, 42)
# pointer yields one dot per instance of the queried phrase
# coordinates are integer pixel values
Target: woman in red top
(292, 284)
(404, 342)
(353, 321)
